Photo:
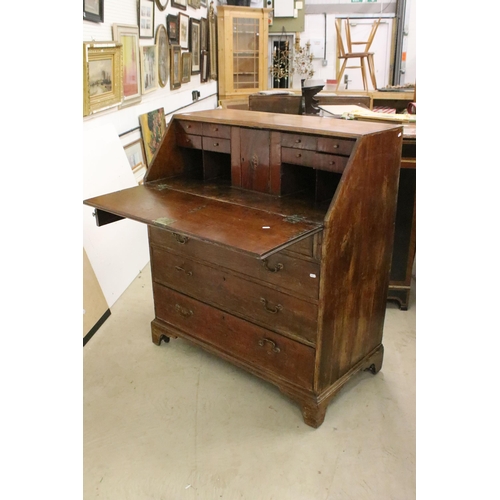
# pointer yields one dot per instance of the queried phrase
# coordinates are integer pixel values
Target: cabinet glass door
(245, 53)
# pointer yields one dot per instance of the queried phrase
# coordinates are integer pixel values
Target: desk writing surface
(249, 230)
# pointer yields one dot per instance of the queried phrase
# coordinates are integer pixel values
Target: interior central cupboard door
(382, 47)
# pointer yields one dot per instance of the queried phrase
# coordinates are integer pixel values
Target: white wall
(314, 28)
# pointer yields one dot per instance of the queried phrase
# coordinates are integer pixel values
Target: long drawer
(249, 343)
(271, 308)
(284, 271)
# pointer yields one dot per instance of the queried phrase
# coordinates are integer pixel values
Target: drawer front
(299, 141)
(249, 343)
(260, 304)
(332, 163)
(282, 269)
(190, 127)
(298, 157)
(216, 130)
(216, 144)
(189, 141)
(336, 146)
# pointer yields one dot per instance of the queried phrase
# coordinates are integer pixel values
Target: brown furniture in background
(271, 240)
(347, 53)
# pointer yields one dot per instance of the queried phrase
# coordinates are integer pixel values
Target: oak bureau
(270, 241)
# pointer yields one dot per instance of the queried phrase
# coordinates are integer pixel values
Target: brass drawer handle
(189, 273)
(275, 348)
(298, 141)
(278, 307)
(332, 162)
(298, 155)
(181, 239)
(216, 144)
(274, 269)
(183, 311)
(335, 146)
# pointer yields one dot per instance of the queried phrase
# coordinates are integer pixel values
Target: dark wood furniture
(271, 240)
(405, 238)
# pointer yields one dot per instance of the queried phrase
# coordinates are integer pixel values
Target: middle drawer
(273, 309)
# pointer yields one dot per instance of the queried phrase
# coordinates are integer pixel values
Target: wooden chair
(346, 52)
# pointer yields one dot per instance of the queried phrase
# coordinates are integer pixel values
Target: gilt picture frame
(212, 43)
(203, 33)
(128, 36)
(180, 4)
(102, 76)
(175, 67)
(186, 62)
(183, 30)
(194, 45)
(163, 54)
(161, 4)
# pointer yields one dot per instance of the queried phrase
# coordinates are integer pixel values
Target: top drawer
(284, 271)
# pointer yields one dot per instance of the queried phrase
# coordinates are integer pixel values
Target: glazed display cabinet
(242, 38)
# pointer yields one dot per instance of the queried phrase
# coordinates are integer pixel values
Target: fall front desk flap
(254, 231)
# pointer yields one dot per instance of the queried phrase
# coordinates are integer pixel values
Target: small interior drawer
(189, 141)
(331, 163)
(298, 141)
(216, 130)
(190, 127)
(335, 145)
(298, 156)
(216, 144)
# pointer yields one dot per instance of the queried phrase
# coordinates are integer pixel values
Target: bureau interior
(218, 161)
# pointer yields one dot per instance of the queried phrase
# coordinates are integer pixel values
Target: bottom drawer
(244, 341)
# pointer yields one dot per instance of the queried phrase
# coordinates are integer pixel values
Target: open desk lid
(259, 233)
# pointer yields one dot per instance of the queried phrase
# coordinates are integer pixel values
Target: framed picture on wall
(203, 3)
(194, 45)
(137, 159)
(173, 29)
(204, 66)
(175, 67)
(186, 67)
(93, 10)
(153, 127)
(128, 36)
(203, 34)
(161, 4)
(102, 76)
(212, 43)
(180, 4)
(163, 54)
(183, 30)
(149, 68)
(146, 17)
(194, 3)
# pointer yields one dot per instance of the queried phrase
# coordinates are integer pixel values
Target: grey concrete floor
(173, 422)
